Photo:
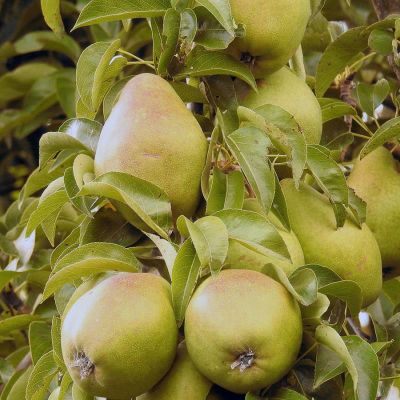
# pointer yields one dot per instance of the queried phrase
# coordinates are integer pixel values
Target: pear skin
(182, 382)
(243, 330)
(350, 251)
(241, 257)
(286, 90)
(274, 29)
(152, 135)
(120, 338)
(376, 179)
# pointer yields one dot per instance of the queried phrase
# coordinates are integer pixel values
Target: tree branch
(383, 8)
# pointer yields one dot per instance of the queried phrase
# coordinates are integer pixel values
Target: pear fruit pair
(350, 251)
(243, 330)
(285, 89)
(376, 179)
(273, 31)
(119, 338)
(152, 135)
(242, 257)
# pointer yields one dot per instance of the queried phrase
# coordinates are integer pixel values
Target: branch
(383, 8)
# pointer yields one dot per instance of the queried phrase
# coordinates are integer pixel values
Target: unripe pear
(152, 135)
(274, 30)
(376, 179)
(243, 330)
(286, 90)
(119, 338)
(242, 257)
(182, 382)
(350, 251)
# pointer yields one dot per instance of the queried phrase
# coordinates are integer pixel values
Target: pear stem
(244, 361)
(85, 365)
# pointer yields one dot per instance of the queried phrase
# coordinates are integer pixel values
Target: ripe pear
(274, 30)
(119, 338)
(350, 251)
(152, 135)
(242, 257)
(286, 90)
(182, 382)
(376, 179)
(243, 330)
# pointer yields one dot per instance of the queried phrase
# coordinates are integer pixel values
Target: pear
(243, 330)
(182, 382)
(119, 338)
(350, 251)
(376, 179)
(152, 135)
(274, 30)
(286, 90)
(242, 257)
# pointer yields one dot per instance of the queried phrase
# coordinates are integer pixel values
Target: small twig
(356, 329)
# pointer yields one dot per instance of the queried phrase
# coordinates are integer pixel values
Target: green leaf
(334, 108)
(39, 339)
(312, 314)
(66, 90)
(83, 204)
(185, 274)
(56, 342)
(221, 10)
(210, 238)
(45, 40)
(42, 374)
(211, 34)
(95, 71)
(367, 365)
(52, 15)
(188, 26)
(170, 34)
(235, 189)
(97, 11)
(279, 206)
(330, 178)
(327, 336)
(328, 365)
(342, 52)
(347, 291)
(48, 206)
(381, 41)
(15, 84)
(372, 96)
(17, 322)
(89, 259)
(52, 143)
(255, 232)
(287, 394)
(112, 96)
(250, 148)
(388, 131)
(284, 132)
(148, 201)
(18, 378)
(167, 250)
(302, 284)
(204, 63)
(84, 130)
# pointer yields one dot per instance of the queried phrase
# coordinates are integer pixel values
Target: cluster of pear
(242, 330)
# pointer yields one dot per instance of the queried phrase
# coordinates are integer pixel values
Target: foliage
(61, 227)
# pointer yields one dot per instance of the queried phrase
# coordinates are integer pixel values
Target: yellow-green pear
(120, 338)
(152, 135)
(274, 30)
(376, 179)
(243, 330)
(242, 257)
(350, 251)
(183, 381)
(286, 90)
